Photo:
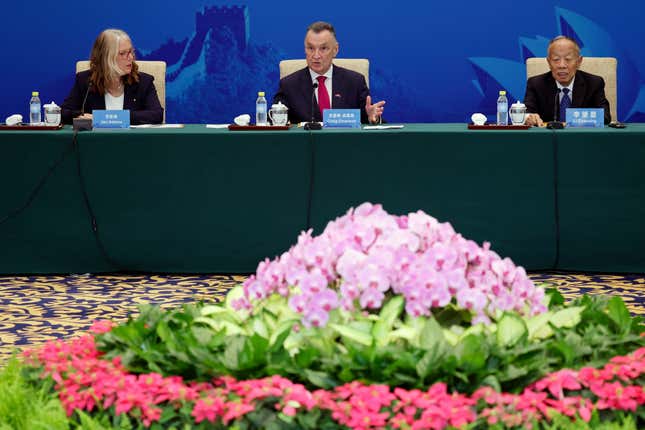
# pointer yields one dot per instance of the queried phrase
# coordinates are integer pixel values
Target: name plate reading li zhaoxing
(342, 118)
(585, 117)
(111, 119)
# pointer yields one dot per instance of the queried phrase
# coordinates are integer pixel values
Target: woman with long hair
(113, 82)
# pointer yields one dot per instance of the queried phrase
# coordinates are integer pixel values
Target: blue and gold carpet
(35, 309)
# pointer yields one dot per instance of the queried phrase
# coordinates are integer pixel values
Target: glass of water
(52, 114)
(517, 113)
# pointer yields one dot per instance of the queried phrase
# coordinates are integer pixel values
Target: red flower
(208, 408)
(616, 396)
(235, 410)
(557, 381)
(149, 415)
(532, 402)
(365, 419)
(101, 326)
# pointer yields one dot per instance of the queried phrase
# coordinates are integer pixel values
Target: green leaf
(253, 353)
(405, 332)
(259, 327)
(320, 379)
(280, 334)
(471, 353)
(493, 382)
(568, 317)
(306, 356)
(539, 327)
(232, 352)
(451, 337)
(230, 328)
(431, 335)
(510, 330)
(431, 360)
(388, 315)
(353, 334)
(554, 297)
(87, 423)
(202, 335)
(566, 350)
(619, 314)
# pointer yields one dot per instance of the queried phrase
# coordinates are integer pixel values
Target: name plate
(111, 119)
(342, 118)
(585, 117)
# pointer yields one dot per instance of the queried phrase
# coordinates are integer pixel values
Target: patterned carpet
(35, 309)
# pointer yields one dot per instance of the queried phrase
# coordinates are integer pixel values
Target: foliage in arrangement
(202, 342)
(87, 383)
(380, 322)
(24, 405)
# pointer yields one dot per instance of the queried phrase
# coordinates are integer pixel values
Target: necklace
(117, 89)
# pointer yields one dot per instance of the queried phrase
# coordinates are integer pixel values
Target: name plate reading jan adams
(585, 117)
(111, 119)
(342, 118)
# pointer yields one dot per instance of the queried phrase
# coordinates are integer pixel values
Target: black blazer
(349, 91)
(588, 92)
(139, 98)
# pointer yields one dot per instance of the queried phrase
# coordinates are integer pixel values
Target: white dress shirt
(114, 103)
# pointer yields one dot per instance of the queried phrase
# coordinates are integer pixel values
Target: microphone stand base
(555, 125)
(82, 124)
(313, 126)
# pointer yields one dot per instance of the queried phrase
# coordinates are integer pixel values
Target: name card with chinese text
(111, 119)
(585, 117)
(342, 118)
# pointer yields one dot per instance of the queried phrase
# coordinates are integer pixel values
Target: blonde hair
(103, 65)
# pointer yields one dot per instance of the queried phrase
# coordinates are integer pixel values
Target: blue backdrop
(431, 61)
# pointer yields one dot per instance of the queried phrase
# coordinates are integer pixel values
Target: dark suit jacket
(139, 98)
(349, 91)
(588, 92)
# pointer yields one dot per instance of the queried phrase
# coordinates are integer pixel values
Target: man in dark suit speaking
(337, 87)
(548, 95)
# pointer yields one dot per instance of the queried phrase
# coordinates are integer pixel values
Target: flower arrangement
(85, 382)
(380, 322)
(368, 253)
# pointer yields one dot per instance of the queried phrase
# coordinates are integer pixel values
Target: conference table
(203, 200)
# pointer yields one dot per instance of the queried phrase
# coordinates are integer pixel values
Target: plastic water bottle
(261, 109)
(34, 109)
(502, 109)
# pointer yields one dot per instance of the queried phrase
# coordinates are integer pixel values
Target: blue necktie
(564, 104)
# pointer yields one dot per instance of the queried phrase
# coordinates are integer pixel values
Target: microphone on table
(555, 124)
(313, 125)
(83, 124)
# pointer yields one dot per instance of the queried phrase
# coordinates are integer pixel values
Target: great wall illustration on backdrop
(214, 73)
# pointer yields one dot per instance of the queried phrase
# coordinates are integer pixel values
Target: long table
(206, 200)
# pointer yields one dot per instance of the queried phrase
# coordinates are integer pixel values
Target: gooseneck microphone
(82, 124)
(313, 125)
(89, 86)
(556, 124)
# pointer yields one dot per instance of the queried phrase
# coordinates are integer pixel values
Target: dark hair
(561, 37)
(319, 26)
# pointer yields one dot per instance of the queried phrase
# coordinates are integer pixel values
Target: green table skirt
(204, 200)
